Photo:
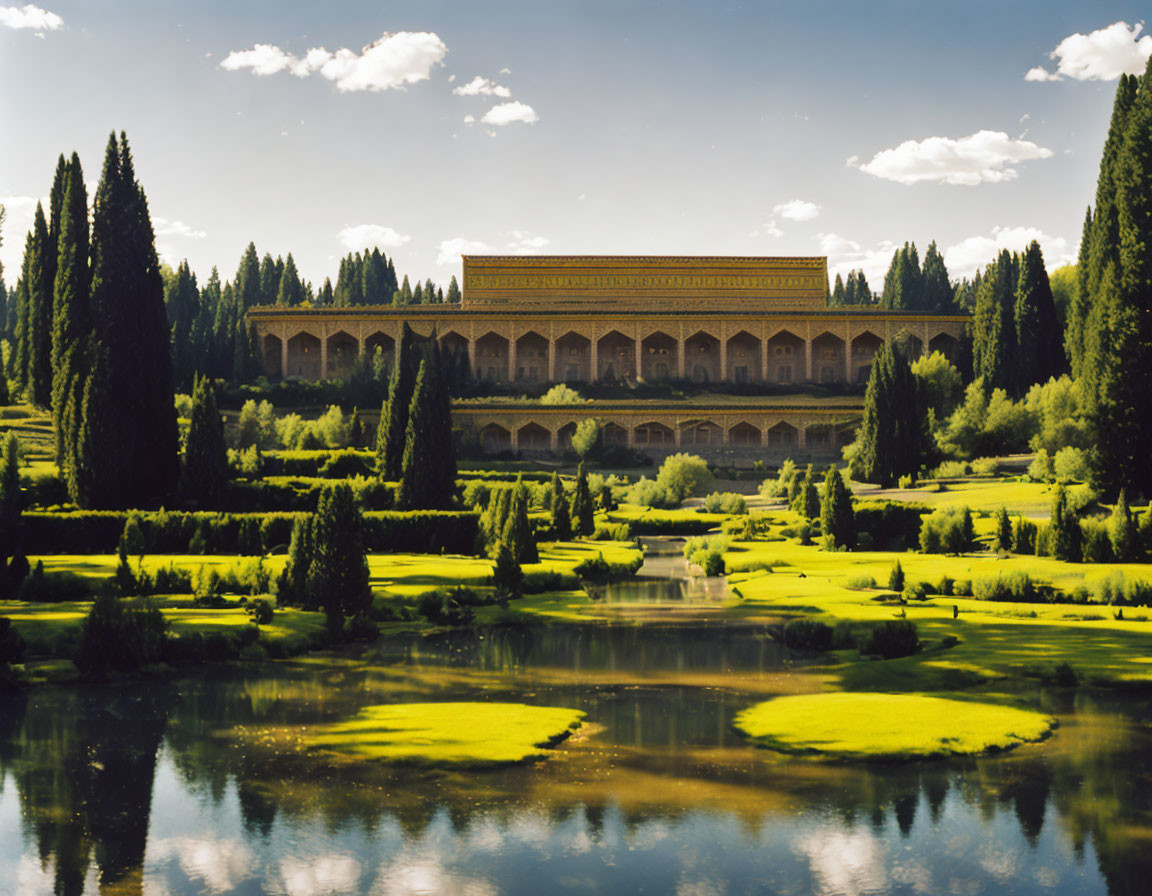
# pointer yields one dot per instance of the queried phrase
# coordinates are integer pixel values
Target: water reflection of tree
(83, 763)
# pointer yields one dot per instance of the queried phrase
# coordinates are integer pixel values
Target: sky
(433, 128)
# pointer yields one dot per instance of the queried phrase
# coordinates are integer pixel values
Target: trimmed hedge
(654, 525)
(329, 464)
(892, 525)
(98, 532)
(303, 494)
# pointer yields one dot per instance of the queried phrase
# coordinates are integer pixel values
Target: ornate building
(539, 319)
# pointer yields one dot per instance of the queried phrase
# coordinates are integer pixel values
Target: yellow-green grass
(1032, 499)
(995, 638)
(474, 734)
(889, 726)
(627, 513)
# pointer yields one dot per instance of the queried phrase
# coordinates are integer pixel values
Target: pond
(195, 786)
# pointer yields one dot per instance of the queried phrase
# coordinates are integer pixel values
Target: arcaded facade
(538, 319)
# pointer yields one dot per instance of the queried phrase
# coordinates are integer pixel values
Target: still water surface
(196, 786)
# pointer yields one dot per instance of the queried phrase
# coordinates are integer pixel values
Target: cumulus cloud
(480, 86)
(851, 863)
(845, 255)
(327, 874)
(769, 229)
(22, 17)
(967, 256)
(519, 242)
(507, 113)
(162, 227)
(525, 243)
(1103, 55)
(390, 63)
(983, 157)
(797, 210)
(370, 236)
(221, 863)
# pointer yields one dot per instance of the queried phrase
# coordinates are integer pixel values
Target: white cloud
(507, 113)
(369, 236)
(326, 874)
(769, 229)
(845, 255)
(468, 119)
(221, 863)
(967, 256)
(525, 244)
(451, 250)
(162, 227)
(986, 156)
(19, 213)
(1103, 55)
(479, 86)
(19, 17)
(850, 863)
(390, 63)
(797, 210)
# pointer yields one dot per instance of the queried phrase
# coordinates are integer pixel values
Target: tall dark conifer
(994, 325)
(71, 316)
(400, 388)
(936, 289)
(1039, 352)
(182, 301)
(204, 469)
(38, 325)
(892, 440)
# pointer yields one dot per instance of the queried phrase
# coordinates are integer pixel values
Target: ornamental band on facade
(543, 319)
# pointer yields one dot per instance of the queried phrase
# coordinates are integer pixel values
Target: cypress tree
(1039, 354)
(936, 290)
(1002, 535)
(517, 534)
(903, 284)
(453, 295)
(204, 477)
(289, 290)
(1064, 528)
(583, 514)
(38, 323)
(424, 474)
(561, 515)
(838, 292)
(400, 389)
(338, 577)
(1122, 531)
(71, 317)
(18, 356)
(13, 567)
(994, 326)
(293, 585)
(892, 440)
(182, 302)
(507, 577)
(128, 393)
(247, 283)
(807, 500)
(837, 519)
(270, 272)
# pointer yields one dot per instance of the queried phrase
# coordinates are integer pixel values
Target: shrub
(947, 530)
(346, 464)
(891, 640)
(946, 585)
(561, 394)
(1014, 586)
(441, 608)
(1041, 469)
(892, 525)
(1095, 541)
(725, 502)
(907, 481)
(612, 532)
(261, 611)
(120, 636)
(681, 475)
(985, 466)
(1071, 465)
(860, 583)
(950, 469)
(53, 587)
(896, 578)
(647, 493)
(917, 591)
(808, 634)
(713, 563)
(1024, 536)
(781, 485)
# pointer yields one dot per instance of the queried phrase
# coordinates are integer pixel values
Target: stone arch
(532, 438)
(491, 358)
(454, 342)
(304, 356)
(828, 358)
(615, 356)
(659, 357)
(532, 358)
(564, 436)
(945, 343)
(272, 347)
(701, 432)
(909, 343)
(864, 348)
(783, 437)
(614, 434)
(383, 343)
(494, 438)
(820, 437)
(743, 358)
(654, 434)
(785, 359)
(573, 358)
(744, 435)
(702, 358)
(343, 349)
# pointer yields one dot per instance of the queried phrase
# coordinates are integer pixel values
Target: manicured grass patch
(474, 734)
(889, 726)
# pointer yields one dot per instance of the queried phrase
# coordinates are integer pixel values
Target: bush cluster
(725, 502)
(948, 530)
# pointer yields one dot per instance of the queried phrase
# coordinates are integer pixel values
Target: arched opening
(945, 344)
(820, 438)
(454, 355)
(494, 438)
(783, 437)
(828, 359)
(380, 349)
(909, 344)
(532, 358)
(564, 436)
(785, 359)
(532, 438)
(702, 432)
(342, 351)
(272, 347)
(743, 358)
(864, 348)
(615, 357)
(702, 358)
(658, 358)
(744, 435)
(491, 358)
(304, 356)
(573, 358)
(614, 434)
(654, 434)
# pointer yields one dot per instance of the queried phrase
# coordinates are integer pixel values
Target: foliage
(725, 502)
(781, 485)
(896, 578)
(586, 436)
(837, 519)
(1012, 586)
(507, 576)
(583, 513)
(893, 438)
(940, 383)
(562, 394)
(1065, 529)
(682, 475)
(428, 467)
(1070, 465)
(808, 634)
(204, 468)
(120, 636)
(948, 530)
(891, 640)
(445, 608)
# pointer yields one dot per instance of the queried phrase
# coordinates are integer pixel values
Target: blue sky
(595, 127)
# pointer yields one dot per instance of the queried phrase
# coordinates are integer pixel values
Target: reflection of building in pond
(542, 319)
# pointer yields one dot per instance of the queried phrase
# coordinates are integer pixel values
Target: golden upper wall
(644, 283)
